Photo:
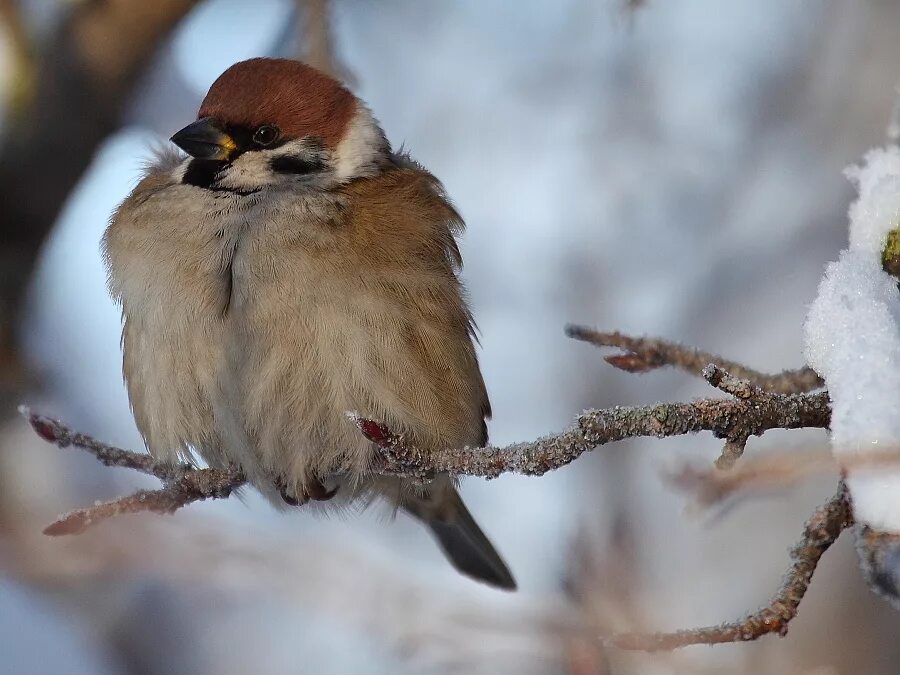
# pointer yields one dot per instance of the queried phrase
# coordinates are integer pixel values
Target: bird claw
(319, 493)
(314, 491)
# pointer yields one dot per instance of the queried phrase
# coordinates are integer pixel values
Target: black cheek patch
(202, 172)
(296, 165)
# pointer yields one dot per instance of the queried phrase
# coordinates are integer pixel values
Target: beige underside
(254, 324)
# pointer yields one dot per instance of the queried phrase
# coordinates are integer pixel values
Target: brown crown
(298, 99)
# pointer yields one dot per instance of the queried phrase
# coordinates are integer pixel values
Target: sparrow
(292, 268)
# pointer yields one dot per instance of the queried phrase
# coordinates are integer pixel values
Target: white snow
(852, 339)
(875, 213)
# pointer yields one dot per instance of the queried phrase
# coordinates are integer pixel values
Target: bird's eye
(265, 135)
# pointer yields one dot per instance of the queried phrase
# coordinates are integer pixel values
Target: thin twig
(315, 35)
(745, 390)
(644, 354)
(821, 531)
(56, 432)
(740, 388)
(713, 487)
(194, 486)
(184, 483)
(732, 451)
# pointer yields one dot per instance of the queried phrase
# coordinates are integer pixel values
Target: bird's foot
(313, 491)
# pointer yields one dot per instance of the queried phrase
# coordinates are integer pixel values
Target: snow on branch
(852, 337)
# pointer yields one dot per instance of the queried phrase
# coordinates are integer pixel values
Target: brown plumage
(298, 99)
(268, 294)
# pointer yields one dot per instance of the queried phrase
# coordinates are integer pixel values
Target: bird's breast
(286, 344)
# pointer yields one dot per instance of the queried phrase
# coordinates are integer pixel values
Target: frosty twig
(183, 483)
(59, 434)
(194, 486)
(725, 418)
(643, 354)
(745, 390)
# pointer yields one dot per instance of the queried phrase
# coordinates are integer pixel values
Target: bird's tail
(467, 548)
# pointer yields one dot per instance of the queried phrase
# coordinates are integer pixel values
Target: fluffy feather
(253, 321)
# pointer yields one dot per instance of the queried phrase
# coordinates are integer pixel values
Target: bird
(286, 266)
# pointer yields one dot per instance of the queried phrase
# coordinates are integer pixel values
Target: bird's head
(276, 122)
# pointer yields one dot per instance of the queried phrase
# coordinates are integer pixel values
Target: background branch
(316, 38)
(86, 72)
(820, 532)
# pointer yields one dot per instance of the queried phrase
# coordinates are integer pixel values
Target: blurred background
(664, 168)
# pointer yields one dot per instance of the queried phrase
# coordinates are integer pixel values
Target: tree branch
(83, 79)
(725, 418)
(757, 406)
(316, 38)
(745, 390)
(644, 354)
(183, 483)
(714, 487)
(821, 531)
(711, 487)
(194, 486)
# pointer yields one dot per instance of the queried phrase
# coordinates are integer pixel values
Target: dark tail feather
(465, 545)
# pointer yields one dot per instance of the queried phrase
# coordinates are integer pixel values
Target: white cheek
(361, 148)
(179, 170)
(250, 170)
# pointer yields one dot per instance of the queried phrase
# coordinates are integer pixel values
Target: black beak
(204, 139)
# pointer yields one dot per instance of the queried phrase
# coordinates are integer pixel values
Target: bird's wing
(422, 369)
